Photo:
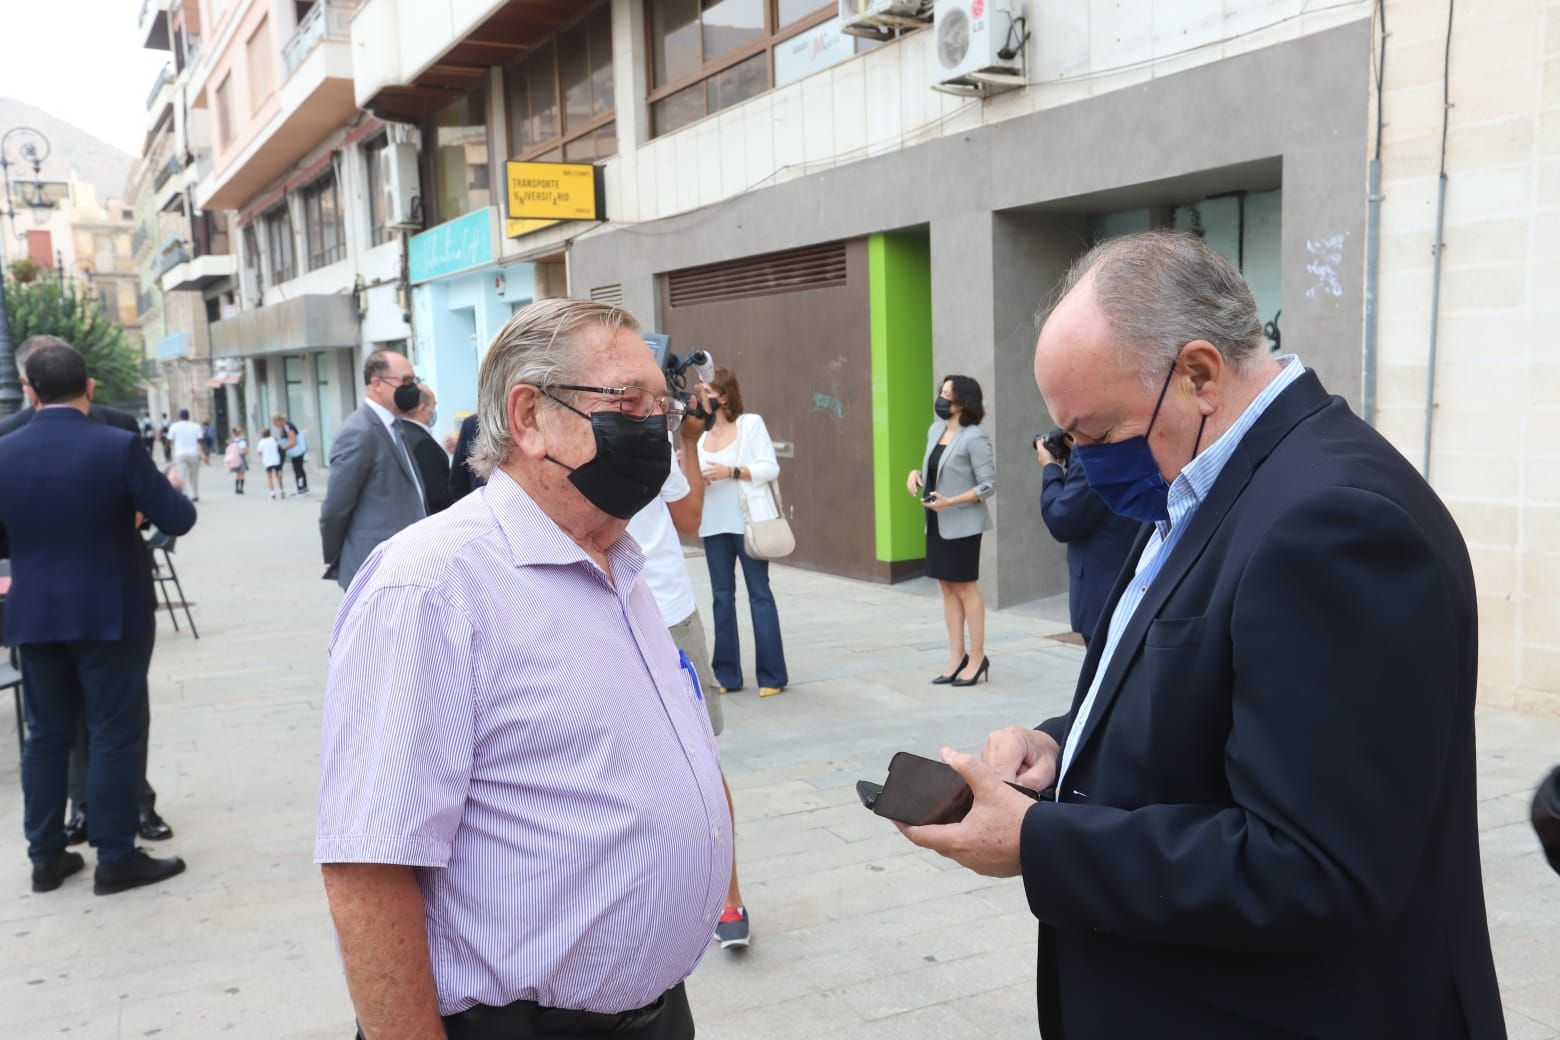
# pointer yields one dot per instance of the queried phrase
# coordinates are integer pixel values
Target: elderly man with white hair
(1263, 822)
(521, 817)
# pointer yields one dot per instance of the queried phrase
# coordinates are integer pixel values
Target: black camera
(700, 366)
(1058, 443)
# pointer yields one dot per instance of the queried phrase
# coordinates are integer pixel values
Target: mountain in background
(97, 162)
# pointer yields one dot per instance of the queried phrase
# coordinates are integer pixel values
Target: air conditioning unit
(402, 196)
(883, 19)
(979, 46)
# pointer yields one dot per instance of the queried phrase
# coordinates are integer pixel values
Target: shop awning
(320, 321)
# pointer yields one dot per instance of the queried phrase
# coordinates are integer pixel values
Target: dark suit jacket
(99, 413)
(1269, 828)
(433, 466)
(69, 492)
(1097, 540)
(462, 481)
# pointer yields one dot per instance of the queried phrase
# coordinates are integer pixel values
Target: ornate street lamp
(32, 148)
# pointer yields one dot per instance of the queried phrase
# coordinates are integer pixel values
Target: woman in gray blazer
(959, 475)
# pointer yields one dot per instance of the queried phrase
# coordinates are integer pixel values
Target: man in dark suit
(1097, 540)
(152, 826)
(462, 480)
(70, 491)
(374, 488)
(433, 465)
(1264, 823)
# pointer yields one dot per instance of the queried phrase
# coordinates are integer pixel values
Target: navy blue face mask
(1125, 475)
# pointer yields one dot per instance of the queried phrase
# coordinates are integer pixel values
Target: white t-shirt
(665, 572)
(185, 436)
(270, 451)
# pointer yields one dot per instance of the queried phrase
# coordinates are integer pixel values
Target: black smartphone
(920, 791)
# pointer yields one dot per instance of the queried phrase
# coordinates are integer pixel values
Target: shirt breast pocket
(1169, 633)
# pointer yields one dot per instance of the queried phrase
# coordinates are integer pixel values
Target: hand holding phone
(920, 791)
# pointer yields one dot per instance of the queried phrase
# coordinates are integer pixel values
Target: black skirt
(951, 559)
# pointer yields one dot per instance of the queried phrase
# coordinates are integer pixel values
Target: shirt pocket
(1168, 633)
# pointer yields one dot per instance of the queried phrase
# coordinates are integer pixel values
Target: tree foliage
(45, 306)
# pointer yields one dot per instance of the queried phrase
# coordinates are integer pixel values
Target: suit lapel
(1292, 406)
(948, 449)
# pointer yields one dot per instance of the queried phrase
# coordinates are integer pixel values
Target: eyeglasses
(635, 402)
(404, 380)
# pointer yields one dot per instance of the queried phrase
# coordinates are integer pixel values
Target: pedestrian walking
(167, 443)
(189, 452)
(374, 488)
(79, 613)
(1263, 819)
(148, 432)
(737, 462)
(433, 462)
(236, 458)
(531, 838)
(956, 478)
(295, 449)
(271, 458)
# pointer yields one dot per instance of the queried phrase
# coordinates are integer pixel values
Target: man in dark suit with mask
(152, 827)
(374, 489)
(1264, 820)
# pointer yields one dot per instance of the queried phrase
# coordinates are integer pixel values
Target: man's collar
(384, 414)
(536, 540)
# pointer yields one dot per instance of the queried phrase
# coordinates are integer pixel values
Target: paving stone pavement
(857, 934)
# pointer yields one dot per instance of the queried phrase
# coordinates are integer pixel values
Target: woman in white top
(738, 461)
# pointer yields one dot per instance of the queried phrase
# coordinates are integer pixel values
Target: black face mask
(633, 459)
(943, 407)
(713, 407)
(407, 398)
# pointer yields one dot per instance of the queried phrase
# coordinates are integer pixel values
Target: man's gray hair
(32, 343)
(1160, 290)
(424, 394)
(539, 345)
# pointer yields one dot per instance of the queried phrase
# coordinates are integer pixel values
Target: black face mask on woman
(407, 398)
(633, 459)
(943, 407)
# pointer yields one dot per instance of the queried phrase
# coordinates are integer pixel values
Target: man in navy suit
(1097, 540)
(70, 492)
(1264, 818)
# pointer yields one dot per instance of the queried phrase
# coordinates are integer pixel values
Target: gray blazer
(371, 494)
(967, 462)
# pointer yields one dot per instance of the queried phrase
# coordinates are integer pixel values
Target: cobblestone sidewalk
(857, 934)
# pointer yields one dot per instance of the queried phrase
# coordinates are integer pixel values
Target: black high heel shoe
(944, 680)
(984, 671)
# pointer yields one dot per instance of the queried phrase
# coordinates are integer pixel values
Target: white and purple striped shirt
(506, 719)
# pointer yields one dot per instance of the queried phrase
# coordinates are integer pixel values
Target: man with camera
(1098, 541)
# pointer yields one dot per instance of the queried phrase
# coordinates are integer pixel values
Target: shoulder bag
(765, 539)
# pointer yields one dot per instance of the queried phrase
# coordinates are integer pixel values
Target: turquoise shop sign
(452, 247)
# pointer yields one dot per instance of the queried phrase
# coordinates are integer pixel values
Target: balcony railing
(164, 77)
(172, 255)
(326, 20)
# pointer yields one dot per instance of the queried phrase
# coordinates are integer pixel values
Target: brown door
(793, 326)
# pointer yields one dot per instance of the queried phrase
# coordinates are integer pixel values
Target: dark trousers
(103, 681)
(76, 778)
(298, 478)
(722, 552)
(673, 1022)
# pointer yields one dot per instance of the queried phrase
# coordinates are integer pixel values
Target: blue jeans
(103, 681)
(721, 552)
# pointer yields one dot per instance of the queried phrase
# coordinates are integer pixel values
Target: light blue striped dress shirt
(502, 716)
(1187, 492)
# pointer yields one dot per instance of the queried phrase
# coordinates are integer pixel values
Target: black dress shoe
(76, 828)
(154, 827)
(51, 875)
(983, 672)
(944, 680)
(140, 869)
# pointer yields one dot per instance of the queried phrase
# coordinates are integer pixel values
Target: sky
(82, 61)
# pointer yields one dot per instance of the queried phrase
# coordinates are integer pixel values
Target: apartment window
(108, 298)
(252, 255)
(708, 55)
(279, 243)
(225, 111)
(322, 228)
(561, 94)
(458, 158)
(373, 155)
(260, 62)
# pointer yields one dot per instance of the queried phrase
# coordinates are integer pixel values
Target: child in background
(236, 458)
(271, 459)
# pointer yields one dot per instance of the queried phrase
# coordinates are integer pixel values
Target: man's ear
(1205, 367)
(91, 387)
(32, 396)
(524, 411)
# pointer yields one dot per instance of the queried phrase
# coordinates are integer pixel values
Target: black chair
(11, 676)
(164, 574)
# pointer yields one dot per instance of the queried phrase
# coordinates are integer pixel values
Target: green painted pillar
(899, 265)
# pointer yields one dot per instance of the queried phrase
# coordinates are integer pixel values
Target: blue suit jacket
(69, 492)
(1098, 541)
(1269, 828)
(462, 481)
